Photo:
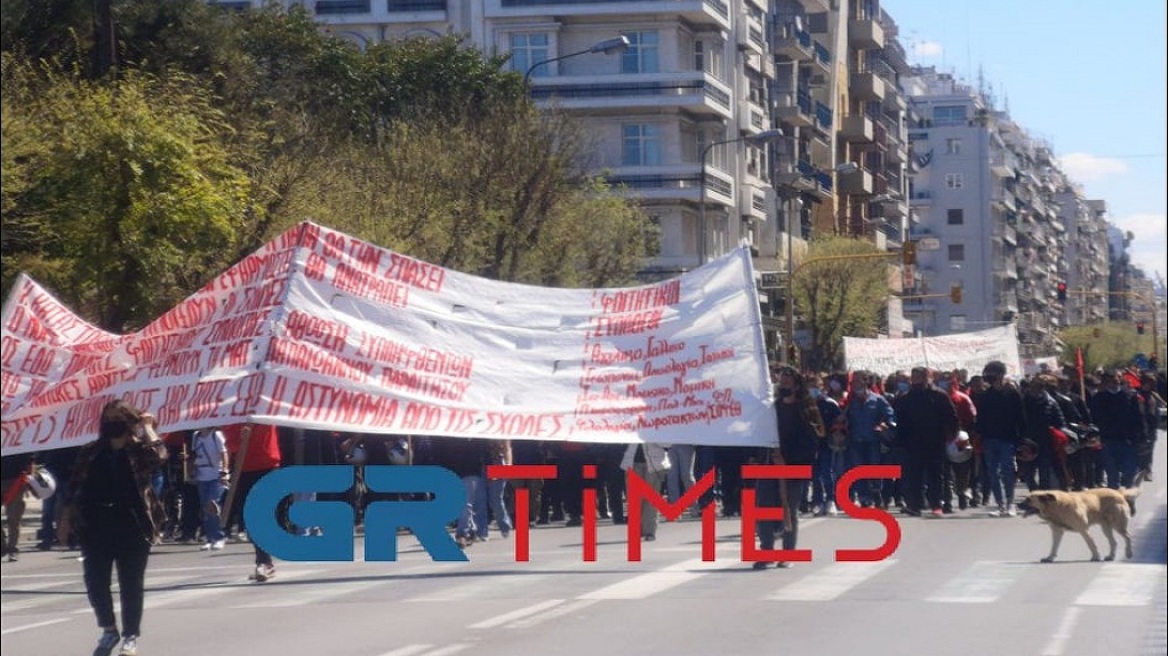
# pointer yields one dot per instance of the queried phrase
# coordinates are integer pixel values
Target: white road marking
(305, 596)
(520, 613)
(553, 613)
(36, 625)
(32, 586)
(1122, 584)
(486, 586)
(408, 650)
(1066, 627)
(651, 583)
(831, 582)
(983, 582)
(449, 649)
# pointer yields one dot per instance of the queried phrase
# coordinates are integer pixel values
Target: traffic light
(1062, 292)
(955, 292)
(909, 252)
(1140, 327)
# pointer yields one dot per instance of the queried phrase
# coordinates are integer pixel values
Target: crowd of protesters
(961, 441)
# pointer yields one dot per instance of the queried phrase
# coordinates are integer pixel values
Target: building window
(952, 146)
(527, 50)
(957, 322)
(641, 55)
(640, 145)
(949, 114)
(699, 56)
(956, 216)
(956, 252)
(954, 181)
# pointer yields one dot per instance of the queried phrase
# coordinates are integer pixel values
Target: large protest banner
(969, 351)
(318, 329)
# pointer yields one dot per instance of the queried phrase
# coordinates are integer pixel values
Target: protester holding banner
(116, 514)
(258, 447)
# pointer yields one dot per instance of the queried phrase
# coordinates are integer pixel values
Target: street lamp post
(606, 47)
(765, 136)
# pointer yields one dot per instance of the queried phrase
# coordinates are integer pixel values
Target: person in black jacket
(1000, 422)
(1116, 412)
(926, 422)
(1042, 415)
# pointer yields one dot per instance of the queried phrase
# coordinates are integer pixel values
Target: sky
(1087, 76)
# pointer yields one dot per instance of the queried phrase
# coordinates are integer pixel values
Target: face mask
(902, 387)
(113, 429)
(785, 392)
(943, 386)
(815, 393)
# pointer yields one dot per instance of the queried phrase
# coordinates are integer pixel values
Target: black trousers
(247, 481)
(924, 475)
(125, 547)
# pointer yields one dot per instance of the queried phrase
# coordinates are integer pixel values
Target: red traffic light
(1140, 327)
(1062, 292)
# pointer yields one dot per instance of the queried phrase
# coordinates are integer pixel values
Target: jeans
(210, 491)
(830, 465)
(466, 519)
(130, 551)
(490, 493)
(999, 469)
(681, 470)
(1119, 461)
(865, 453)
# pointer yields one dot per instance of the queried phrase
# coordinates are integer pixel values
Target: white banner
(969, 351)
(321, 330)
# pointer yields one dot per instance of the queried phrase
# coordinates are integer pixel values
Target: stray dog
(1078, 511)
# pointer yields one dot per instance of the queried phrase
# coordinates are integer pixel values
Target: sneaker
(13, 554)
(263, 573)
(206, 546)
(1000, 512)
(1011, 511)
(129, 646)
(106, 643)
(832, 510)
(218, 545)
(936, 512)
(762, 564)
(783, 564)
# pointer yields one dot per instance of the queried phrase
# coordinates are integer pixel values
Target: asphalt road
(962, 584)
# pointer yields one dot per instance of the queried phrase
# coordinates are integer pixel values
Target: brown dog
(1078, 511)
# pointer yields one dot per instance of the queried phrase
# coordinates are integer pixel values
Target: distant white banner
(320, 330)
(969, 351)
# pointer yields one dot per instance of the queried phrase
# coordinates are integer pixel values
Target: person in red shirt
(959, 475)
(261, 456)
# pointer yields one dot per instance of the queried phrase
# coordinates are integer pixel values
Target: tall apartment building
(1086, 255)
(681, 105)
(990, 222)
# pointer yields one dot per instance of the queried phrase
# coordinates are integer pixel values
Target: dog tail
(1130, 493)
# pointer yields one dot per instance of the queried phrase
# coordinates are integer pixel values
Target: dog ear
(1042, 496)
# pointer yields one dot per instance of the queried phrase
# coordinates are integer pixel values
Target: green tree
(839, 297)
(1106, 345)
(131, 190)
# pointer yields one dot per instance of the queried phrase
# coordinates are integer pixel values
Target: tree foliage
(128, 199)
(218, 130)
(1106, 345)
(838, 296)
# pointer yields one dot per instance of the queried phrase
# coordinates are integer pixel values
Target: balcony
(794, 44)
(341, 7)
(396, 6)
(752, 119)
(897, 153)
(661, 183)
(1002, 165)
(858, 182)
(865, 34)
(824, 118)
(795, 108)
(894, 101)
(1006, 201)
(921, 198)
(822, 56)
(694, 91)
(752, 202)
(750, 34)
(858, 129)
(1009, 234)
(867, 86)
(705, 13)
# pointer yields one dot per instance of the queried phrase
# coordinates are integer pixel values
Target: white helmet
(42, 483)
(959, 450)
